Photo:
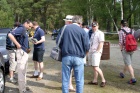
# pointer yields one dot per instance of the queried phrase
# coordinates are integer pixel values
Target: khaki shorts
(94, 59)
(13, 63)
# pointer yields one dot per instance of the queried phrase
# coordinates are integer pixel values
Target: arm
(41, 40)
(100, 46)
(121, 40)
(101, 42)
(86, 43)
(14, 40)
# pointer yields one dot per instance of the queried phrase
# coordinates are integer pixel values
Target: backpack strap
(127, 32)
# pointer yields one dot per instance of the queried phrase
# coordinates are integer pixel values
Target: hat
(123, 22)
(68, 18)
(94, 24)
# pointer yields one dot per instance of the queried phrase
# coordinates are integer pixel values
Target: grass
(115, 84)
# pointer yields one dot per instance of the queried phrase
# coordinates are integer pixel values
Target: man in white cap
(73, 54)
(68, 21)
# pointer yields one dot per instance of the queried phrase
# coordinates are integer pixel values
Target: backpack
(130, 41)
(9, 43)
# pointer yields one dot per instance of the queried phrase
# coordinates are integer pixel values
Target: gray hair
(77, 19)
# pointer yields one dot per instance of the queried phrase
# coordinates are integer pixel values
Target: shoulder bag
(56, 51)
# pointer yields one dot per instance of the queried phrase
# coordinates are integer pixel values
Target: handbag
(56, 51)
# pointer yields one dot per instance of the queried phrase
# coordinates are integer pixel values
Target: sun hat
(68, 18)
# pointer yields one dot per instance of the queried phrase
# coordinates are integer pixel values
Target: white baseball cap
(68, 18)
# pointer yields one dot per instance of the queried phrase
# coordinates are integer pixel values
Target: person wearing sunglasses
(95, 52)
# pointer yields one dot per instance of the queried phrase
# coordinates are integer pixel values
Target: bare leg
(131, 71)
(95, 75)
(125, 69)
(70, 82)
(36, 66)
(11, 74)
(41, 67)
(100, 73)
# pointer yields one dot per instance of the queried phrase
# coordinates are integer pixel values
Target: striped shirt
(122, 36)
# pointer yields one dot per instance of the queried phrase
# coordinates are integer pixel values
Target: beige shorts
(94, 59)
(13, 63)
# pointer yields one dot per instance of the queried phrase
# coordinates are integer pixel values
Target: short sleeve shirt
(38, 34)
(95, 39)
(21, 36)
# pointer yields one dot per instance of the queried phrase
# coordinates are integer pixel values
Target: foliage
(50, 13)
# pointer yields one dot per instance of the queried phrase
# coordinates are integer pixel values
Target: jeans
(77, 64)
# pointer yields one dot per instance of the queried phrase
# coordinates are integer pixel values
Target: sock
(41, 74)
(36, 73)
(11, 78)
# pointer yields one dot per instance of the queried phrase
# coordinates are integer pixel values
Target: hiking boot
(121, 75)
(132, 81)
(13, 80)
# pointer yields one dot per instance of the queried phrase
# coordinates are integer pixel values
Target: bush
(111, 37)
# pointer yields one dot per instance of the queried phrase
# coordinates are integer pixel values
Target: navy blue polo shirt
(21, 36)
(38, 34)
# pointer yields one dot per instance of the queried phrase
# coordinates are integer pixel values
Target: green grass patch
(115, 84)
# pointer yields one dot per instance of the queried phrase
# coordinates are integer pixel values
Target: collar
(76, 24)
(37, 28)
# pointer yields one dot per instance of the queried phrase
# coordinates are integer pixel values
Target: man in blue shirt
(39, 49)
(20, 39)
(74, 45)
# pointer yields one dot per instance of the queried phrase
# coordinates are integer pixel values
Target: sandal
(72, 90)
(103, 84)
(93, 83)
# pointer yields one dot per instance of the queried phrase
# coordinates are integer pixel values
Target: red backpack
(130, 41)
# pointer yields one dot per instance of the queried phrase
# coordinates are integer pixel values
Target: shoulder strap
(126, 32)
(61, 36)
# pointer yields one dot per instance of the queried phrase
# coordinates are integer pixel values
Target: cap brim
(67, 20)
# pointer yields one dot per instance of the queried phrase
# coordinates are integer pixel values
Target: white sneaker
(13, 80)
(28, 91)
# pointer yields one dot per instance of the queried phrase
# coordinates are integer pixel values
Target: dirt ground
(52, 74)
(51, 82)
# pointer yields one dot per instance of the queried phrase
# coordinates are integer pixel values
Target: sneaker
(13, 80)
(28, 91)
(132, 81)
(121, 75)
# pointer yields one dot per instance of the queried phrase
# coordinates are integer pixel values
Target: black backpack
(9, 43)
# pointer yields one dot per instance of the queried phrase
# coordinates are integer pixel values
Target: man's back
(74, 41)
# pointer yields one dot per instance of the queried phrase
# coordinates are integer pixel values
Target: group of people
(19, 55)
(74, 53)
(77, 44)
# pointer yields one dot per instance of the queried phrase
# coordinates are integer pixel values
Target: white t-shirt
(96, 38)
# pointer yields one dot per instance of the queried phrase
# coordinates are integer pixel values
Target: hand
(98, 52)
(35, 43)
(18, 46)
